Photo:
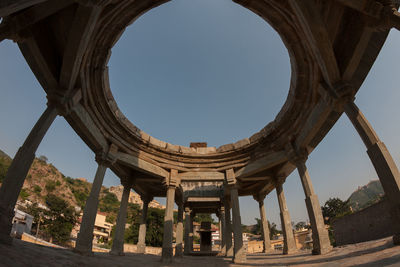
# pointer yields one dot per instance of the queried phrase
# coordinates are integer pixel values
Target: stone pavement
(374, 253)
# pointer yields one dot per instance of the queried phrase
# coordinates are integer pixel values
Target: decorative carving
(259, 197)
(146, 199)
(296, 154)
(337, 96)
(173, 179)
(109, 158)
(230, 177)
(64, 102)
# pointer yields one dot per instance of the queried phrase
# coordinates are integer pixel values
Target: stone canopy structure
(332, 46)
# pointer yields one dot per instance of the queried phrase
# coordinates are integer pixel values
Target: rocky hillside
(5, 161)
(134, 198)
(366, 195)
(43, 178)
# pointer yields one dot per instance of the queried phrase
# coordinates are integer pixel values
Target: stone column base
(322, 251)
(83, 250)
(320, 235)
(6, 239)
(117, 253)
(268, 251)
(178, 250)
(396, 239)
(229, 252)
(141, 248)
(166, 256)
(239, 259)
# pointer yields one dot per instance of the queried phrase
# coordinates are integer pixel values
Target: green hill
(44, 178)
(4, 155)
(366, 195)
(5, 162)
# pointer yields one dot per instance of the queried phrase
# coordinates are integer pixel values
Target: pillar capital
(146, 199)
(230, 178)
(173, 179)
(9, 30)
(63, 101)
(295, 154)
(127, 183)
(278, 180)
(259, 197)
(107, 158)
(337, 95)
(388, 18)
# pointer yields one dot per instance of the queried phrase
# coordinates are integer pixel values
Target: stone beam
(38, 64)
(141, 165)
(313, 124)
(87, 127)
(253, 179)
(318, 38)
(16, 23)
(203, 199)
(262, 164)
(8, 7)
(368, 7)
(81, 30)
(203, 176)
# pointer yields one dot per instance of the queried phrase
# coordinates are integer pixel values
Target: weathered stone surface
(319, 58)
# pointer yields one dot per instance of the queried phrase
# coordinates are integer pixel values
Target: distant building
(22, 223)
(101, 231)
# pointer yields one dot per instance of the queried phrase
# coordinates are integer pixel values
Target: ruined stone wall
(368, 224)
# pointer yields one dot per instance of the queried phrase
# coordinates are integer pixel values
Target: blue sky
(212, 71)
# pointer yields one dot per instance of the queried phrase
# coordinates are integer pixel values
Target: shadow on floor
(328, 260)
(383, 262)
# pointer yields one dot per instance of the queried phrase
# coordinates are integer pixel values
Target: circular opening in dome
(200, 71)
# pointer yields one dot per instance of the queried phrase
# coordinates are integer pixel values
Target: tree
(154, 231)
(301, 225)
(5, 162)
(334, 208)
(59, 219)
(273, 231)
(203, 217)
(257, 230)
(43, 159)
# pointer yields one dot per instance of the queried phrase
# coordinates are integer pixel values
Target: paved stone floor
(373, 253)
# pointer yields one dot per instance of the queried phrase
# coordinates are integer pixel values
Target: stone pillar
(167, 250)
(191, 234)
(118, 241)
(320, 236)
(222, 230)
(141, 245)
(289, 244)
(383, 162)
(18, 170)
(264, 224)
(239, 255)
(179, 232)
(187, 231)
(84, 241)
(228, 229)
